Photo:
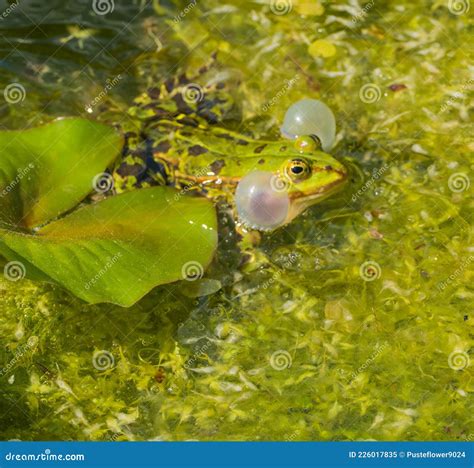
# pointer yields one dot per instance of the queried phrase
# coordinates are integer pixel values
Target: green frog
(182, 141)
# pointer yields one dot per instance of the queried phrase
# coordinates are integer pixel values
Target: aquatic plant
(113, 250)
(354, 322)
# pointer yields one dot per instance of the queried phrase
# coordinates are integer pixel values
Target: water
(351, 323)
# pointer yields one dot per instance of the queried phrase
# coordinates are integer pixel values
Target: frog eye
(298, 170)
(310, 117)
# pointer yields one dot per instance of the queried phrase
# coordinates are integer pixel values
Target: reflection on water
(63, 56)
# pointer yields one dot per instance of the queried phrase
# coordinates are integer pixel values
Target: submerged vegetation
(354, 321)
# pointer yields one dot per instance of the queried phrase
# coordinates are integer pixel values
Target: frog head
(288, 180)
(311, 176)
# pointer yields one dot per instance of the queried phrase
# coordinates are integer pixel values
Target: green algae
(354, 322)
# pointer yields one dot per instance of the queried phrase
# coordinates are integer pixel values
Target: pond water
(354, 321)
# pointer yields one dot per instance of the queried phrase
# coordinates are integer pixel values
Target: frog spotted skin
(182, 143)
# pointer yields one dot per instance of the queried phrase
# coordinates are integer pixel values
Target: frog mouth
(300, 201)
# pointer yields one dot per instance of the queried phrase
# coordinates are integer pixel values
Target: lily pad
(115, 250)
(120, 248)
(47, 170)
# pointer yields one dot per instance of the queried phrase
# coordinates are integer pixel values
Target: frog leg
(248, 238)
(138, 168)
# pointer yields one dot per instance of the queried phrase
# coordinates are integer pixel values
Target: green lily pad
(113, 251)
(47, 170)
(120, 248)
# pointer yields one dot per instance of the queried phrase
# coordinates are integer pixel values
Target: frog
(182, 140)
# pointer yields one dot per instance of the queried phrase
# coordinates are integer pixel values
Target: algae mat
(355, 321)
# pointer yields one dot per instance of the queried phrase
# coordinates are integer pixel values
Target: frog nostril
(310, 117)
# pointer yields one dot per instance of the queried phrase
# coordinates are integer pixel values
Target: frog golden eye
(310, 117)
(298, 170)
